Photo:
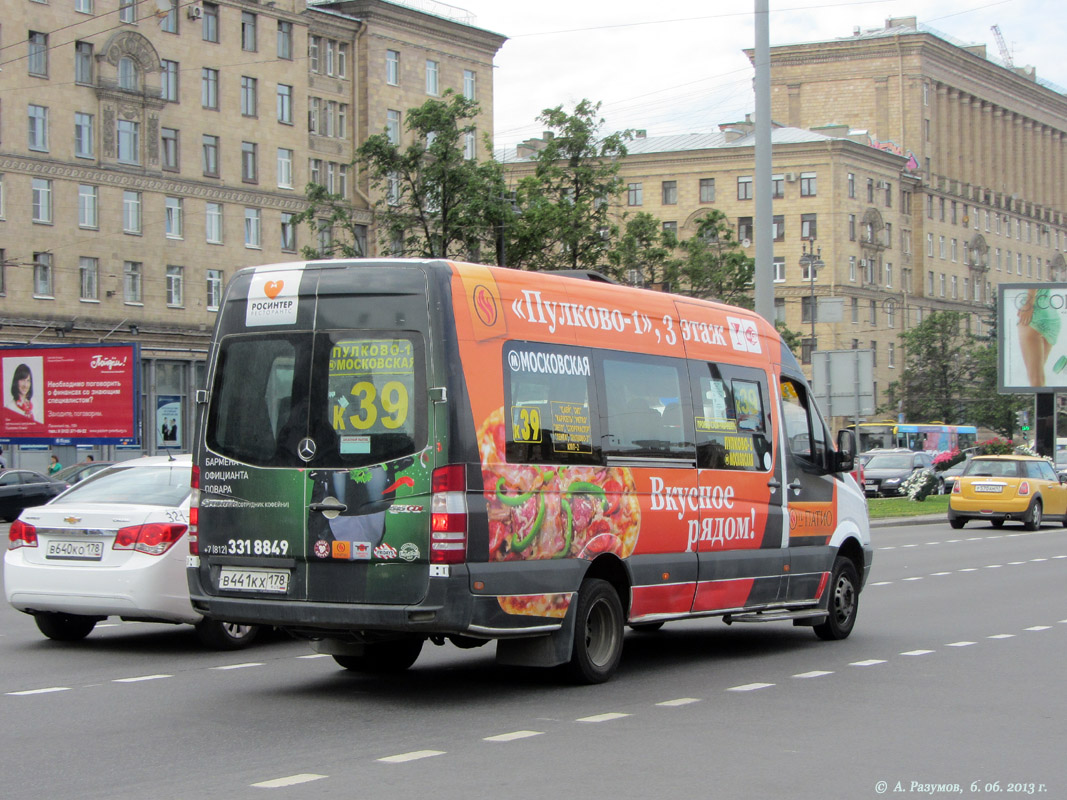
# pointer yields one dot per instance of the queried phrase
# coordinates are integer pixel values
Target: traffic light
(1022, 417)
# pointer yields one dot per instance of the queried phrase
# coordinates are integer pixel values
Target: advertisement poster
(70, 394)
(168, 421)
(1032, 328)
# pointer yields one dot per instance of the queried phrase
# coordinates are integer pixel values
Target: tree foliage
(565, 221)
(713, 266)
(643, 253)
(939, 365)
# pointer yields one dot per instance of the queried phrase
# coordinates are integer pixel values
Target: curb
(926, 519)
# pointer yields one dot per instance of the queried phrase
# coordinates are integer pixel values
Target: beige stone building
(144, 156)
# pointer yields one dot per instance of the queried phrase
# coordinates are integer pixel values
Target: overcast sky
(677, 66)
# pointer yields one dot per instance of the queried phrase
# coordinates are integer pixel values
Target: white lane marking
(39, 691)
(316, 655)
(933, 542)
(240, 666)
(681, 701)
(993, 566)
(913, 578)
(909, 545)
(1039, 628)
(140, 678)
(870, 662)
(292, 780)
(815, 673)
(882, 583)
(750, 687)
(937, 574)
(1001, 636)
(414, 755)
(511, 737)
(1016, 563)
(969, 569)
(891, 547)
(960, 644)
(1059, 556)
(608, 717)
(1036, 560)
(917, 652)
(974, 539)
(953, 541)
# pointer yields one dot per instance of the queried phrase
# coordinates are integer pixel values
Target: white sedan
(112, 545)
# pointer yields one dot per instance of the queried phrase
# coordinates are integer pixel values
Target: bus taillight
(448, 515)
(194, 513)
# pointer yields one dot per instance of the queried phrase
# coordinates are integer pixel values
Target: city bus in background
(932, 438)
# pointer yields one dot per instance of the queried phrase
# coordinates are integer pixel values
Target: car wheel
(997, 523)
(1032, 522)
(597, 633)
(220, 635)
(384, 657)
(844, 601)
(957, 522)
(64, 627)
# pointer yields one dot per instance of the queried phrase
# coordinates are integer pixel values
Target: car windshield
(157, 485)
(902, 461)
(993, 469)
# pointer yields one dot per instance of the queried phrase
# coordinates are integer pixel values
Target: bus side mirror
(845, 457)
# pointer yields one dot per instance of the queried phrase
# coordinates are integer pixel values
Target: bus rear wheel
(395, 655)
(598, 630)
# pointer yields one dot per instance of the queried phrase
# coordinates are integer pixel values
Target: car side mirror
(845, 457)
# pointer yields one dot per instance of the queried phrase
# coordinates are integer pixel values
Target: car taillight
(21, 535)
(1024, 488)
(448, 515)
(956, 487)
(194, 512)
(153, 538)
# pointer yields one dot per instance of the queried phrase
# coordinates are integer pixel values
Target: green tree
(644, 253)
(713, 266)
(431, 200)
(939, 366)
(986, 407)
(565, 222)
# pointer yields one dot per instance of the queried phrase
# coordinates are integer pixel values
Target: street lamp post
(811, 259)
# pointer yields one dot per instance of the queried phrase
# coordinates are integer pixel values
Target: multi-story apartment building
(833, 193)
(150, 149)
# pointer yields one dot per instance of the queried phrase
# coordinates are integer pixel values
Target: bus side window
(804, 430)
(643, 406)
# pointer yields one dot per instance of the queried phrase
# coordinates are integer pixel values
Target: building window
(214, 289)
(808, 228)
(83, 135)
(285, 104)
(955, 288)
(37, 61)
(392, 126)
(83, 6)
(778, 227)
(38, 128)
(127, 74)
(210, 23)
(132, 273)
(169, 21)
(169, 148)
(873, 319)
(777, 187)
(744, 229)
(213, 223)
(315, 171)
(131, 212)
(88, 273)
(942, 284)
(42, 275)
(779, 269)
(953, 249)
(892, 355)
(288, 233)
(248, 162)
(852, 268)
(744, 187)
(707, 190)
(173, 217)
(168, 81)
(432, 86)
(392, 67)
(634, 194)
(209, 88)
(175, 278)
(779, 310)
(889, 235)
(83, 62)
(129, 141)
(285, 40)
(888, 275)
(852, 227)
(41, 192)
(670, 193)
(806, 312)
(87, 206)
(852, 185)
(127, 10)
(808, 185)
(470, 149)
(210, 155)
(285, 168)
(941, 247)
(888, 193)
(248, 31)
(248, 96)
(253, 229)
(470, 84)
(313, 53)
(855, 317)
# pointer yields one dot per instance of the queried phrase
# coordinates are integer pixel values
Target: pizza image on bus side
(391, 452)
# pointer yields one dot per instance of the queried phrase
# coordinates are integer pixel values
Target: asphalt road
(953, 676)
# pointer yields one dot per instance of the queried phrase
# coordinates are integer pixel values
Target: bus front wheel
(844, 601)
(598, 630)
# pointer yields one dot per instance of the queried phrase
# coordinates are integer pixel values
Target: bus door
(810, 490)
(740, 542)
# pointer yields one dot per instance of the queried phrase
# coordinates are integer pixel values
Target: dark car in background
(22, 488)
(886, 470)
(76, 473)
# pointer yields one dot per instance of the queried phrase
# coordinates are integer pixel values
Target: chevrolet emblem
(72, 520)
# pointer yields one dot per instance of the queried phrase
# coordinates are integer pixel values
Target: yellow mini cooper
(999, 488)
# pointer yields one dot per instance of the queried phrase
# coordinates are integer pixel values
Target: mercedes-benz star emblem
(306, 449)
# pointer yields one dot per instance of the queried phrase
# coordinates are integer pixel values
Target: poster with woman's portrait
(1032, 327)
(24, 394)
